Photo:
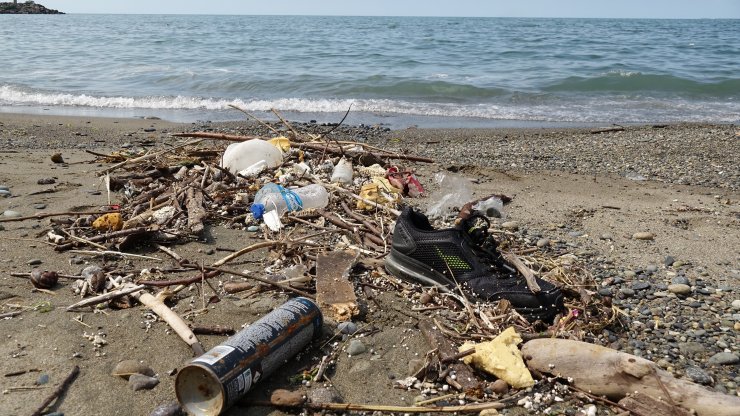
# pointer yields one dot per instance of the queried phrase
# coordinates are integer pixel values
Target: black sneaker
(466, 255)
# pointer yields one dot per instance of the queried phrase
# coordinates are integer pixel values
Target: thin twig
(272, 129)
(54, 214)
(59, 391)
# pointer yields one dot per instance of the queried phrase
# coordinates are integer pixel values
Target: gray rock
(651, 268)
(4, 188)
(736, 304)
(325, 395)
(629, 274)
(627, 292)
(2, 227)
(34, 262)
(679, 289)
(39, 206)
(43, 379)
(723, 358)
(127, 368)
(640, 285)
(543, 242)
(356, 347)
(142, 382)
(12, 214)
(605, 291)
(510, 225)
(607, 236)
(698, 375)
(348, 328)
(5, 193)
(690, 348)
(668, 261)
(575, 233)
(168, 409)
(46, 181)
(680, 280)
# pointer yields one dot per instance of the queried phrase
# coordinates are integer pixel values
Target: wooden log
(196, 212)
(614, 374)
(466, 379)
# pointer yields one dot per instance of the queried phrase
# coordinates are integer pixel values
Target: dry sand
(589, 212)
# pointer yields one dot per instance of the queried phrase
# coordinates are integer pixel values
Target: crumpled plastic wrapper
(379, 191)
(501, 357)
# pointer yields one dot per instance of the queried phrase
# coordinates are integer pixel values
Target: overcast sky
(670, 9)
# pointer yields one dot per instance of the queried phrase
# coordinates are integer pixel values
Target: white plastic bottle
(342, 172)
(240, 156)
(275, 197)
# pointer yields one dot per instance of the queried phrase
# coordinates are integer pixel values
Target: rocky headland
(28, 7)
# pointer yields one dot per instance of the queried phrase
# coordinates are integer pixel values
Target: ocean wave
(636, 82)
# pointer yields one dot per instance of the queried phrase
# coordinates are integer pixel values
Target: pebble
(723, 358)
(543, 242)
(643, 235)
(736, 304)
(168, 409)
(651, 268)
(11, 214)
(627, 291)
(5, 193)
(126, 368)
(39, 206)
(46, 181)
(356, 347)
(348, 328)
(691, 347)
(500, 387)
(282, 397)
(4, 188)
(510, 225)
(640, 285)
(607, 236)
(698, 375)
(43, 379)
(34, 262)
(325, 395)
(668, 261)
(679, 289)
(142, 382)
(681, 280)
(2, 227)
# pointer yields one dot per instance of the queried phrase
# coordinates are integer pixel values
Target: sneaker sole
(414, 271)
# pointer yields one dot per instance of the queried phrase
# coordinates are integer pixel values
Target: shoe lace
(476, 228)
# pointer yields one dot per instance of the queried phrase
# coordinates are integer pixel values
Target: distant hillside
(28, 7)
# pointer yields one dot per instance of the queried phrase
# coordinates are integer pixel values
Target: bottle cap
(257, 210)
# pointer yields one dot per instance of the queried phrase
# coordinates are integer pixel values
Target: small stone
(282, 397)
(510, 225)
(651, 268)
(627, 292)
(57, 158)
(575, 233)
(629, 274)
(127, 368)
(723, 358)
(142, 382)
(640, 285)
(4, 193)
(668, 261)
(356, 347)
(607, 236)
(168, 409)
(500, 387)
(39, 206)
(348, 328)
(253, 228)
(681, 280)
(691, 347)
(4, 188)
(34, 262)
(46, 181)
(43, 379)
(426, 298)
(543, 242)
(643, 235)
(679, 289)
(12, 214)
(325, 395)
(698, 375)
(736, 304)
(605, 291)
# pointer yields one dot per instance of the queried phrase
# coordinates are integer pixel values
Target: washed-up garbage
(380, 191)
(251, 154)
(108, 222)
(211, 383)
(406, 181)
(493, 207)
(272, 201)
(452, 193)
(342, 172)
(501, 358)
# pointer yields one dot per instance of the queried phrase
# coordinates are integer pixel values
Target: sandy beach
(572, 190)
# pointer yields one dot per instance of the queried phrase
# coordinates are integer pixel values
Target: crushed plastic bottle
(240, 156)
(342, 172)
(273, 197)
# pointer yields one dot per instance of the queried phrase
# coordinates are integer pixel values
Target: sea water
(397, 71)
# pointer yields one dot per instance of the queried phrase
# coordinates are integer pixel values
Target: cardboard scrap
(335, 294)
(501, 357)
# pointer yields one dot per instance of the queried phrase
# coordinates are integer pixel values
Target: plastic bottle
(275, 197)
(240, 156)
(342, 172)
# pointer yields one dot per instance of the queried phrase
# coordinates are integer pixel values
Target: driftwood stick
(114, 253)
(149, 156)
(54, 214)
(185, 281)
(288, 125)
(213, 330)
(10, 315)
(528, 274)
(347, 407)
(265, 281)
(246, 250)
(59, 391)
(104, 297)
(174, 320)
(103, 237)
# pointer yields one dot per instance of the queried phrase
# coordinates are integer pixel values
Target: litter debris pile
(325, 210)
